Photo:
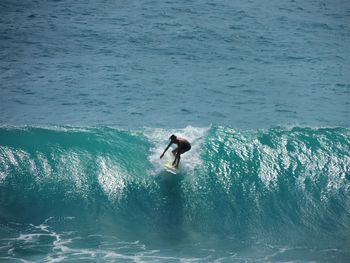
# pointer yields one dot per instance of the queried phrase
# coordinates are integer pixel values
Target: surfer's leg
(178, 161)
(174, 151)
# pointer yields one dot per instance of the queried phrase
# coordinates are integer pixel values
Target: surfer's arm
(165, 150)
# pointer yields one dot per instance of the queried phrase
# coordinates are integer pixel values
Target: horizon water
(90, 92)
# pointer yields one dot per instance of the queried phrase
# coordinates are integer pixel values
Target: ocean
(90, 92)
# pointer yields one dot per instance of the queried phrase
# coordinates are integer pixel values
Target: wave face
(280, 192)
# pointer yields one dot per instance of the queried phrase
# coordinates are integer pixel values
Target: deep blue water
(91, 90)
(175, 63)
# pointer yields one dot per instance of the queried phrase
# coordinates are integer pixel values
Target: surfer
(182, 146)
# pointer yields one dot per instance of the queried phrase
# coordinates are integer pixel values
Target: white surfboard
(169, 167)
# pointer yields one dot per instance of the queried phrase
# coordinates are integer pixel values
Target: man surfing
(182, 146)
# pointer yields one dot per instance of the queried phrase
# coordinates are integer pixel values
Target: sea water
(90, 92)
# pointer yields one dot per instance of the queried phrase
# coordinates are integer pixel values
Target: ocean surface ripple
(175, 63)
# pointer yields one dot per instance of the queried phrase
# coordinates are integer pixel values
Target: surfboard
(169, 167)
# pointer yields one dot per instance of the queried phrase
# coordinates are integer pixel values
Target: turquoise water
(101, 194)
(91, 90)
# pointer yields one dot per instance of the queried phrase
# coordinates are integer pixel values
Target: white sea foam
(111, 178)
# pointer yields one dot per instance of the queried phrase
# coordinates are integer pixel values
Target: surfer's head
(173, 138)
